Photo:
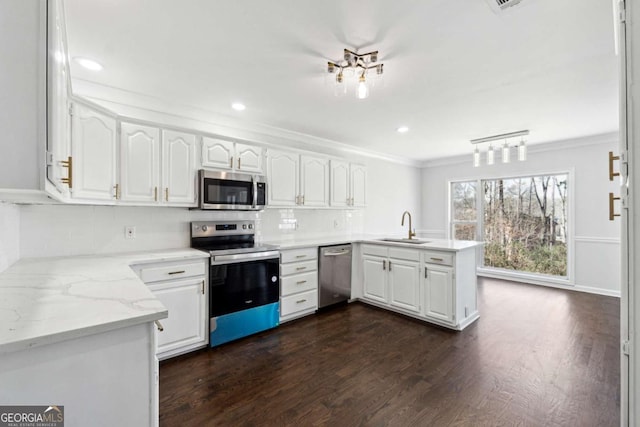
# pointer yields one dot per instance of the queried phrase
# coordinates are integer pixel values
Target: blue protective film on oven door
(240, 324)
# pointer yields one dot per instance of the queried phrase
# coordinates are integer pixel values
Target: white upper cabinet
(178, 168)
(314, 181)
(93, 147)
(217, 153)
(249, 158)
(227, 155)
(358, 185)
(283, 172)
(140, 163)
(340, 178)
(348, 184)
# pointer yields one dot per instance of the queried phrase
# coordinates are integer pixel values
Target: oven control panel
(221, 228)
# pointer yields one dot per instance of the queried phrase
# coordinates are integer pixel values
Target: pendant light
(506, 152)
(505, 149)
(476, 158)
(522, 151)
(490, 155)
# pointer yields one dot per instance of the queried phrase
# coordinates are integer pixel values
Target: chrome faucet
(411, 233)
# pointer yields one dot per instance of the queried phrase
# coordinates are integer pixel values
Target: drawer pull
(437, 259)
(176, 272)
(611, 172)
(300, 301)
(301, 256)
(159, 325)
(384, 264)
(612, 213)
(301, 282)
(300, 268)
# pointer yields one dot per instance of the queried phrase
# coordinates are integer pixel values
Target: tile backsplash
(9, 234)
(63, 230)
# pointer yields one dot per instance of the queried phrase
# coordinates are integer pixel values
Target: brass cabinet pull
(116, 189)
(425, 272)
(238, 162)
(301, 282)
(166, 194)
(612, 215)
(159, 325)
(389, 265)
(437, 259)
(303, 199)
(300, 301)
(231, 162)
(300, 268)
(69, 165)
(155, 193)
(203, 287)
(301, 256)
(176, 272)
(384, 264)
(611, 160)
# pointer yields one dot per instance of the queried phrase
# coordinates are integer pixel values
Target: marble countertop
(435, 244)
(46, 300)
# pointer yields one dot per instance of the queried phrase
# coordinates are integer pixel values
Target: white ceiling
(454, 70)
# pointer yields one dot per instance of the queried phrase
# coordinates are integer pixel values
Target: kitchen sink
(413, 241)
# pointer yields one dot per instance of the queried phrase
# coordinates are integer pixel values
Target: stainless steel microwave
(232, 191)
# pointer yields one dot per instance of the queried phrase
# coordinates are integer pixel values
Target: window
(464, 216)
(523, 222)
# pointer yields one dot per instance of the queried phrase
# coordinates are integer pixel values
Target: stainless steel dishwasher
(334, 275)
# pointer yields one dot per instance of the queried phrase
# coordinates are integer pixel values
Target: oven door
(229, 191)
(237, 285)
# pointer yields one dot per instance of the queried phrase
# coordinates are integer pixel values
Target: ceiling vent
(501, 5)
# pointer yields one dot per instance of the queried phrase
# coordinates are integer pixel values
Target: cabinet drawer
(442, 258)
(303, 254)
(406, 254)
(170, 272)
(298, 302)
(376, 250)
(298, 283)
(298, 267)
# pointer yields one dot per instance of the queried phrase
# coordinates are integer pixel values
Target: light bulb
(490, 155)
(506, 153)
(476, 158)
(522, 151)
(363, 89)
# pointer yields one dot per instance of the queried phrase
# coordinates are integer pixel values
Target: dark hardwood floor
(536, 357)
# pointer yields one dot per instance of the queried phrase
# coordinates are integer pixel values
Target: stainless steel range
(244, 282)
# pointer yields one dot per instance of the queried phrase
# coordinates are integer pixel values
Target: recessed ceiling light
(238, 106)
(403, 129)
(89, 64)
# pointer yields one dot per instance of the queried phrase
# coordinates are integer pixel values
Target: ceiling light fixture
(506, 149)
(89, 64)
(238, 106)
(360, 68)
(402, 129)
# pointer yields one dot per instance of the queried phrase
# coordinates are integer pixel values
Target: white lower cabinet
(438, 295)
(298, 282)
(435, 286)
(182, 288)
(392, 276)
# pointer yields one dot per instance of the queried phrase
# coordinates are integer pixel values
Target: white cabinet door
(358, 185)
(249, 158)
(217, 153)
(339, 183)
(179, 168)
(93, 146)
(58, 119)
(404, 284)
(140, 163)
(185, 300)
(438, 297)
(314, 181)
(374, 277)
(283, 175)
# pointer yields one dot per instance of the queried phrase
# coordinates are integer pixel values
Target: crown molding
(137, 106)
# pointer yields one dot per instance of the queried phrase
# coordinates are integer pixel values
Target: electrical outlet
(130, 232)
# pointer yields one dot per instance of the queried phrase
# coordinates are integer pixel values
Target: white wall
(596, 240)
(9, 235)
(55, 230)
